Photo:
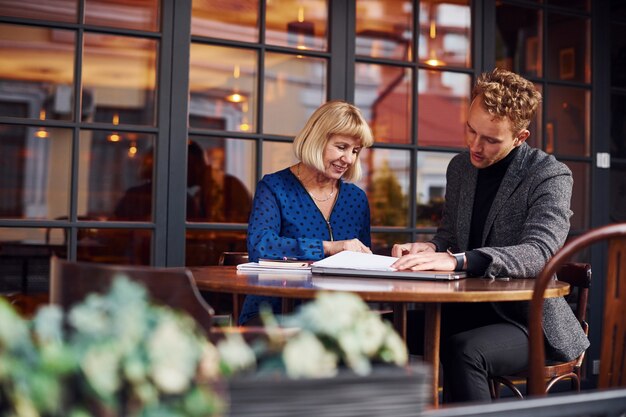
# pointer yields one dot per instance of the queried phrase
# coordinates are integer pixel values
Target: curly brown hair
(506, 94)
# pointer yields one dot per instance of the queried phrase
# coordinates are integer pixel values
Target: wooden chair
(613, 349)
(578, 275)
(232, 259)
(70, 282)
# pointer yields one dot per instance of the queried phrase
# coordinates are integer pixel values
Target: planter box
(386, 391)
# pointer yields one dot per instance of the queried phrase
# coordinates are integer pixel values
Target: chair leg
(494, 389)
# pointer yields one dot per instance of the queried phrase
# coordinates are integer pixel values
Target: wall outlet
(596, 367)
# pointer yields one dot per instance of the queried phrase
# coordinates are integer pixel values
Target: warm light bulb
(433, 30)
(236, 72)
(132, 150)
(235, 98)
(301, 14)
(114, 137)
(433, 61)
(116, 119)
(42, 114)
(41, 133)
(244, 127)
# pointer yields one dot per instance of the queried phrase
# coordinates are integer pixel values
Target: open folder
(359, 264)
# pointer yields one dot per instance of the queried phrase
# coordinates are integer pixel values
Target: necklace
(319, 200)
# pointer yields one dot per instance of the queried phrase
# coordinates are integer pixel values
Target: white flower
(48, 324)
(371, 332)
(209, 367)
(235, 353)
(100, 365)
(305, 357)
(394, 349)
(332, 313)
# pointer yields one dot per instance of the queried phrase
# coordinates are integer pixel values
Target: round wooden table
(295, 285)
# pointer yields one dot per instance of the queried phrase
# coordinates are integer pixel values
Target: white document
(357, 260)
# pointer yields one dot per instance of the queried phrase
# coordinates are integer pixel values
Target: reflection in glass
(445, 35)
(57, 10)
(114, 246)
(277, 156)
(569, 48)
(618, 126)
(220, 179)
(386, 182)
(568, 121)
(35, 167)
(618, 55)
(294, 87)
(234, 20)
(125, 192)
(383, 93)
(222, 88)
(119, 72)
(204, 247)
(384, 29)
(617, 193)
(382, 242)
(431, 186)
(443, 102)
(135, 14)
(581, 195)
(519, 40)
(36, 72)
(300, 24)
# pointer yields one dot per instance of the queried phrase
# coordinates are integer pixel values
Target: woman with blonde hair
(309, 211)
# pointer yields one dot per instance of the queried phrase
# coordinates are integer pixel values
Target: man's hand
(331, 248)
(426, 260)
(412, 248)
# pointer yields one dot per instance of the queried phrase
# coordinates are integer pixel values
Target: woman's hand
(331, 248)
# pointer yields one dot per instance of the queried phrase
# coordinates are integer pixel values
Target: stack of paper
(357, 260)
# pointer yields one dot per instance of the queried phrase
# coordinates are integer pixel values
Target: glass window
(518, 41)
(431, 186)
(445, 36)
(443, 102)
(294, 87)
(383, 93)
(386, 176)
(617, 192)
(618, 55)
(618, 126)
(36, 72)
(277, 156)
(114, 246)
(536, 125)
(581, 195)
(35, 167)
(119, 72)
(384, 29)
(569, 48)
(133, 14)
(300, 24)
(382, 242)
(574, 4)
(220, 179)
(222, 88)
(57, 10)
(568, 121)
(204, 247)
(235, 20)
(618, 9)
(115, 174)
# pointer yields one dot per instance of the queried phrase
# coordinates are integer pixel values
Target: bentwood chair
(71, 282)
(613, 343)
(578, 275)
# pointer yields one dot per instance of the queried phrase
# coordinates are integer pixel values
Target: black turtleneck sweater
(487, 185)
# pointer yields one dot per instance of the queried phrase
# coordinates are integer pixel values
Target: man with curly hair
(506, 213)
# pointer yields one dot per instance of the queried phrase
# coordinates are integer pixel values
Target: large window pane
(119, 72)
(222, 88)
(386, 174)
(294, 87)
(277, 156)
(618, 55)
(57, 10)
(300, 24)
(204, 247)
(235, 20)
(569, 48)
(114, 246)
(518, 41)
(220, 179)
(135, 14)
(35, 167)
(445, 36)
(384, 29)
(383, 93)
(431, 186)
(36, 72)
(618, 126)
(115, 174)
(581, 195)
(567, 123)
(442, 108)
(617, 194)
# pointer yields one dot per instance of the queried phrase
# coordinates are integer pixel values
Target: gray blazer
(527, 223)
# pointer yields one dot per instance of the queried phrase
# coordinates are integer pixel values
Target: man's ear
(521, 137)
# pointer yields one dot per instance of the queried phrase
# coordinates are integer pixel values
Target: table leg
(432, 330)
(399, 319)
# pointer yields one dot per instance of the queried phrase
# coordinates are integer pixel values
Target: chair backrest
(613, 349)
(71, 282)
(578, 276)
(233, 258)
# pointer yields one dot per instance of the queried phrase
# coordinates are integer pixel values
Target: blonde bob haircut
(332, 118)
